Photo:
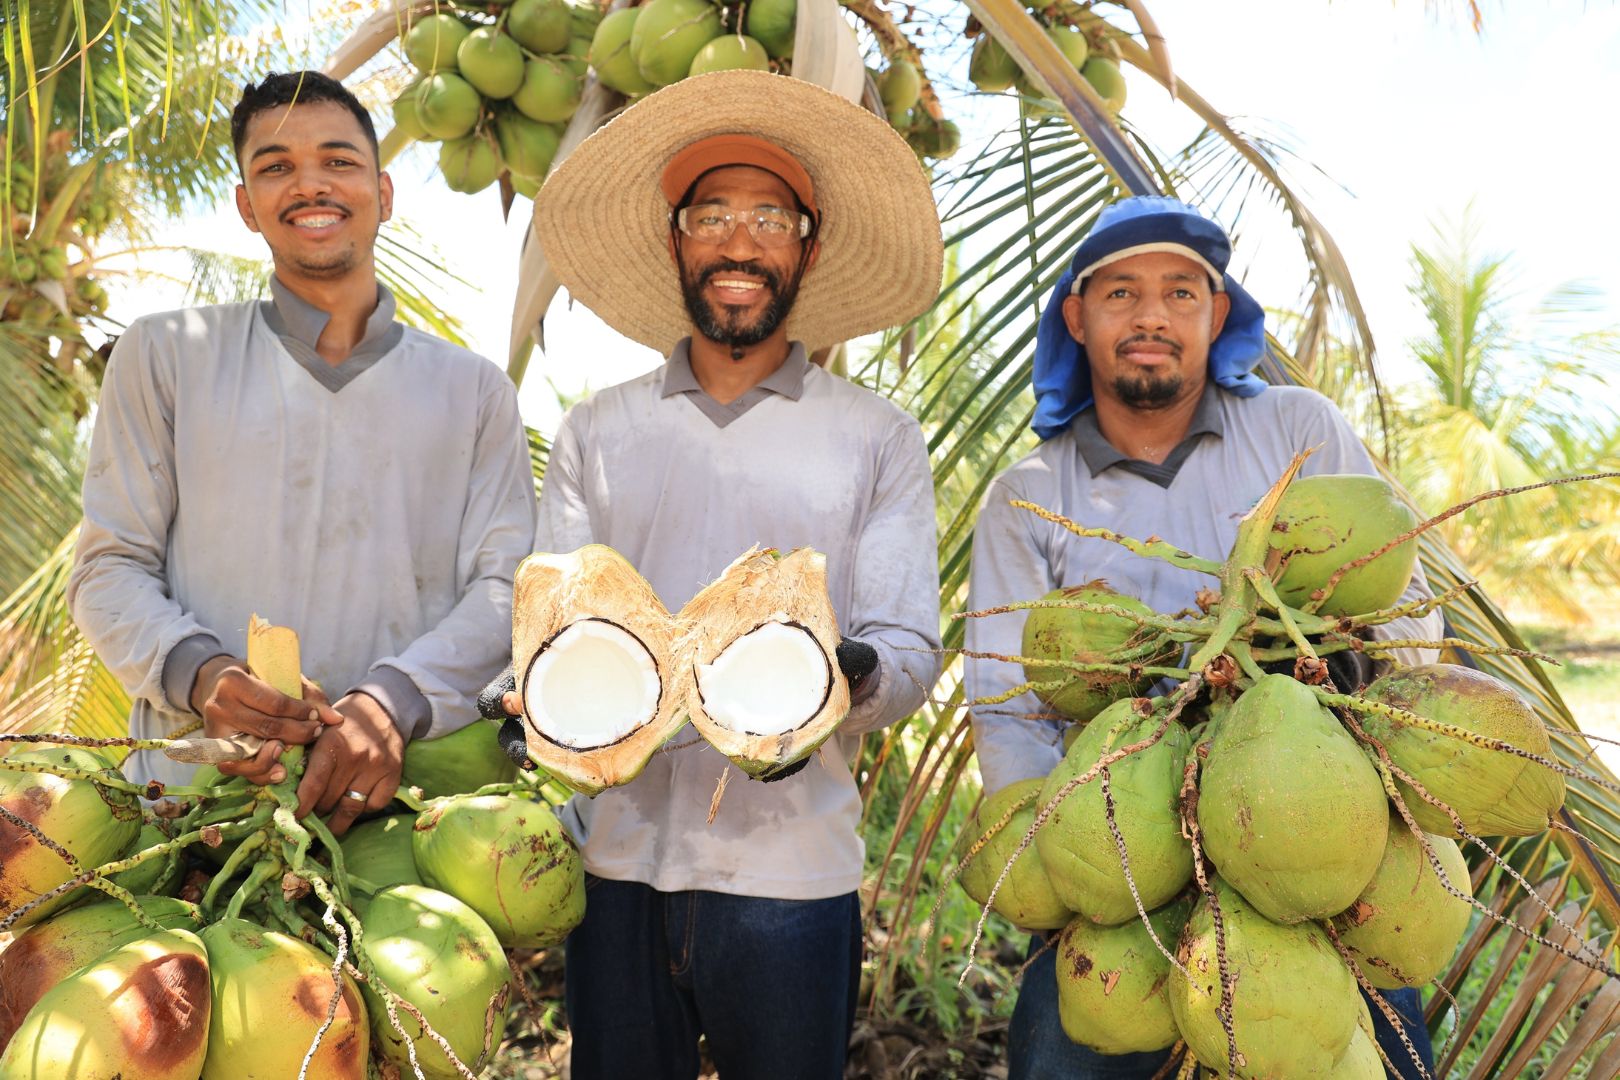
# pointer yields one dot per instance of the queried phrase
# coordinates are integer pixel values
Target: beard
(326, 265)
(1148, 390)
(727, 326)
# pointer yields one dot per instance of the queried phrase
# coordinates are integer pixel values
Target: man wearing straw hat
(735, 222)
(1152, 424)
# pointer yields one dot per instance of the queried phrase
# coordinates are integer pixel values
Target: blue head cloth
(1129, 227)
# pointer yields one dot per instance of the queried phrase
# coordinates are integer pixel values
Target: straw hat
(604, 223)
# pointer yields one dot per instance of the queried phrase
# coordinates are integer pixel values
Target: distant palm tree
(1508, 399)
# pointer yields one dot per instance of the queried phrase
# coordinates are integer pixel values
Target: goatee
(1147, 391)
(726, 326)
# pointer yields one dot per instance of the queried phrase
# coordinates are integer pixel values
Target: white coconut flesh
(592, 684)
(769, 681)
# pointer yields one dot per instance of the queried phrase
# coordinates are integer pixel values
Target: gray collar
(298, 324)
(787, 380)
(1100, 454)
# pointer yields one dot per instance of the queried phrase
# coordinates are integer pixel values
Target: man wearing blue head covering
(1152, 424)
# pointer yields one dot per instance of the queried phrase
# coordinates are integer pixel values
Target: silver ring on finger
(357, 796)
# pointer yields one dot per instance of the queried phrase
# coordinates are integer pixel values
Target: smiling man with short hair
(311, 460)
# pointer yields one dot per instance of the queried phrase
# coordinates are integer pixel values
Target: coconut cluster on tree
(1086, 41)
(1238, 855)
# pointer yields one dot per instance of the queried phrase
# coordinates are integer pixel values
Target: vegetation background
(115, 152)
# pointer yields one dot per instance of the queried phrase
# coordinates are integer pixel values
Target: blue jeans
(1037, 1048)
(770, 984)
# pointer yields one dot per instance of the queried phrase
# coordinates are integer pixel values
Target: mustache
(1142, 339)
(311, 204)
(773, 280)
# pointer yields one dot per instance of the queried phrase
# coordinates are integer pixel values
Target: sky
(1403, 114)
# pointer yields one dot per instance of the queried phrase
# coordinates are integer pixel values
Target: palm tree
(1505, 401)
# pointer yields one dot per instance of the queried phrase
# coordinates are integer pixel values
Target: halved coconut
(592, 644)
(758, 651)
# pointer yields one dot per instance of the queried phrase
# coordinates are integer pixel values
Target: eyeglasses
(770, 226)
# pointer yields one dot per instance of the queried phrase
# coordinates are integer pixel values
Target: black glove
(857, 660)
(489, 702)
(1350, 670)
(513, 743)
(787, 772)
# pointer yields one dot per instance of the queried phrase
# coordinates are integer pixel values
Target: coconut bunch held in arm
(606, 675)
(1229, 861)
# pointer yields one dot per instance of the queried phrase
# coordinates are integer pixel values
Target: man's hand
(231, 701)
(361, 757)
(859, 663)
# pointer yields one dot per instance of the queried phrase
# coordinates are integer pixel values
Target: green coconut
(1405, 922)
(541, 26)
(668, 36)
(526, 186)
(990, 67)
(1106, 78)
(406, 122)
(1299, 843)
(527, 146)
(138, 1012)
(94, 825)
(264, 977)
(469, 164)
(508, 859)
(492, 62)
(1071, 43)
(1493, 792)
(1086, 637)
(1113, 982)
(1324, 522)
(1294, 1002)
(379, 852)
(1077, 848)
(936, 140)
(576, 57)
(900, 85)
(447, 106)
(731, 52)
(1360, 1060)
(770, 22)
(464, 760)
(433, 41)
(1026, 898)
(436, 953)
(612, 56)
(158, 873)
(550, 91)
(47, 952)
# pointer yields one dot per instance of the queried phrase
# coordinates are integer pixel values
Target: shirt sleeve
(896, 583)
(1009, 565)
(564, 515)
(454, 660)
(118, 590)
(1343, 452)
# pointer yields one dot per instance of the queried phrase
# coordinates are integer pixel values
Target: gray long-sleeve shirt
(379, 508)
(1236, 448)
(681, 485)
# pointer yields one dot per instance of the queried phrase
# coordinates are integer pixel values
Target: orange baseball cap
(719, 151)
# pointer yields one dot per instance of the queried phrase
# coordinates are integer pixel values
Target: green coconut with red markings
(1077, 847)
(507, 858)
(1299, 842)
(1113, 982)
(1325, 522)
(1494, 792)
(1294, 1002)
(47, 952)
(93, 825)
(1079, 636)
(140, 1011)
(1025, 898)
(436, 953)
(261, 976)
(1406, 923)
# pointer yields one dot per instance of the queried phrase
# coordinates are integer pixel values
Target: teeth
(320, 222)
(737, 284)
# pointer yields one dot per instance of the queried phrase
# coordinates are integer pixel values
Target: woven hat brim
(603, 224)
